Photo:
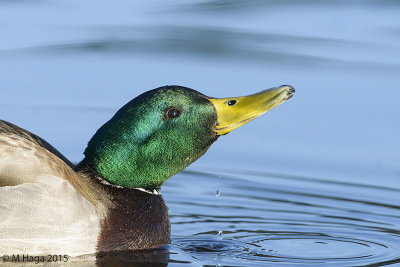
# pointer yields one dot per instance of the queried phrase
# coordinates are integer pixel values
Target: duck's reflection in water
(153, 257)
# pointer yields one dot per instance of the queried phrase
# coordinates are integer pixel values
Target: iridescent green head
(162, 131)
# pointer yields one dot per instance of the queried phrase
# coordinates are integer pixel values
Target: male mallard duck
(110, 201)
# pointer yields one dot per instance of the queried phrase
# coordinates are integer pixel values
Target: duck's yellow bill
(234, 112)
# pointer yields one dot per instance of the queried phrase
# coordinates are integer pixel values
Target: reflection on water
(284, 221)
(320, 184)
(155, 258)
(226, 43)
(211, 42)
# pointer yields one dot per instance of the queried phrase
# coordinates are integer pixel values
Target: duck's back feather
(25, 158)
(15, 132)
(41, 208)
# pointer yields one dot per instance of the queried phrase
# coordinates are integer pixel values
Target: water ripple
(306, 223)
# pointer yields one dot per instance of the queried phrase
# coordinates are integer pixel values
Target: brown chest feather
(137, 220)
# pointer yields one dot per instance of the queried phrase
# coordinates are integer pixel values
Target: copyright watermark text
(34, 259)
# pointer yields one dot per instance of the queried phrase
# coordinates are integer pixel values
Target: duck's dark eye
(172, 113)
(231, 102)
